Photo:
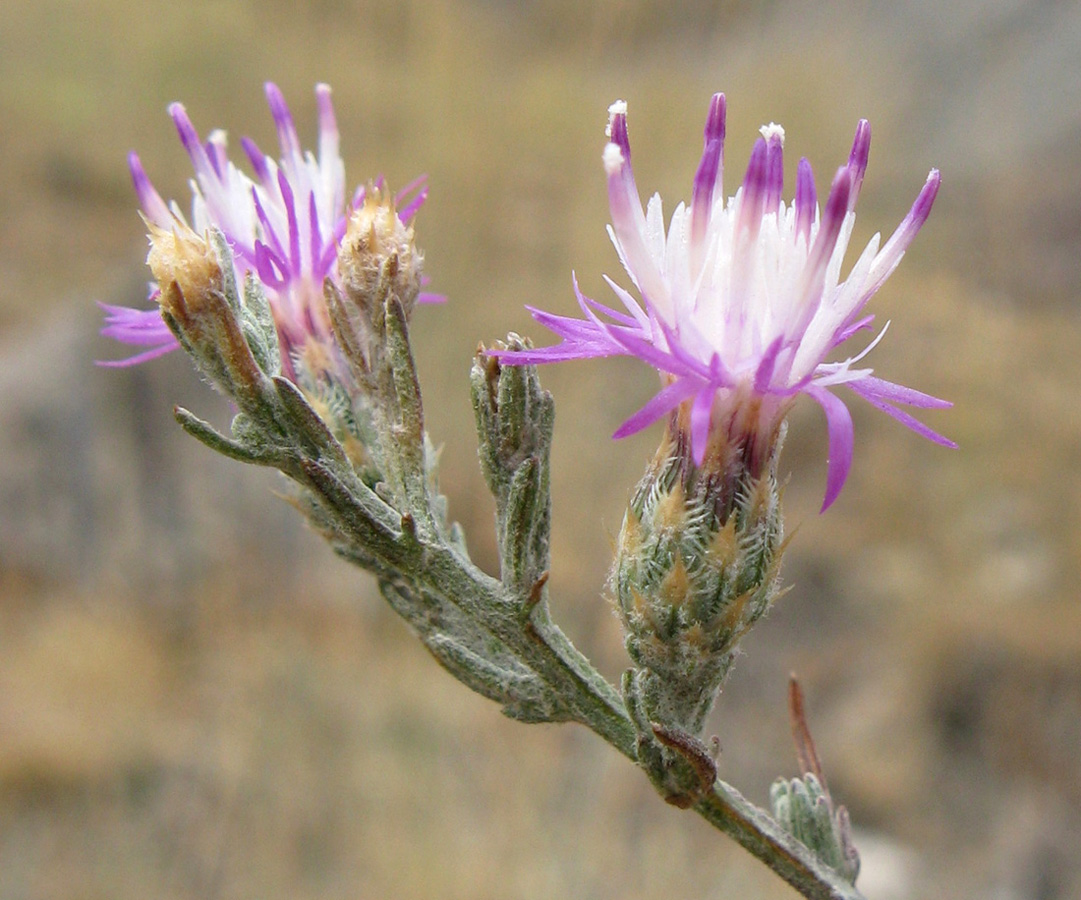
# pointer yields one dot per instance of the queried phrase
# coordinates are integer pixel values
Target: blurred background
(198, 700)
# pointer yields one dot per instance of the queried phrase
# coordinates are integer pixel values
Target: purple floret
(742, 300)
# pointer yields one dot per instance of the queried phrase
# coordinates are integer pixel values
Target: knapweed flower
(743, 301)
(284, 227)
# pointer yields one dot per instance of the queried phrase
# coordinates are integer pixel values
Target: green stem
(722, 806)
(752, 828)
(599, 706)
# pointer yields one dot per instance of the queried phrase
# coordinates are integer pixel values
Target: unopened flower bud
(378, 258)
(803, 808)
(200, 301)
(186, 268)
(696, 566)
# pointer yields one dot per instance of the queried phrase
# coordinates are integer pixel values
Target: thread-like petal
(153, 206)
(662, 403)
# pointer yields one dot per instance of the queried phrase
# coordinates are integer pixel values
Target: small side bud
(803, 806)
(515, 417)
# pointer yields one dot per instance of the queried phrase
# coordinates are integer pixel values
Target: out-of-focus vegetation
(198, 700)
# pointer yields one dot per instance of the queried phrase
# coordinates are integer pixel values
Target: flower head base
(742, 300)
(284, 228)
(697, 565)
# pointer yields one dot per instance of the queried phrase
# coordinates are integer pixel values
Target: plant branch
(494, 635)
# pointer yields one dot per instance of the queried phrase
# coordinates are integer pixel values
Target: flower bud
(200, 302)
(378, 258)
(180, 257)
(696, 566)
(803, 808)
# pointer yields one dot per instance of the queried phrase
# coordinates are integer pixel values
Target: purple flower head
(284, 226)
(742, 299)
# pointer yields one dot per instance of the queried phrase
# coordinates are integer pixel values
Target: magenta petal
(847, 330)
(258, 162)
(892, 251)
(215, 152)
(841, 441)
(702, 201)
(755, 183)
(901, 416)
(411, 198)
(566, 326)
(614, 314)
(637, 342)
(322, 266)
(149, 199)
(806, 200)
(857, 160)
(189, 137)
(814, 275)
(576, 331)
(708, 177)
(134, 326)
(896, 393)
(618, 135)
(270, 267)
(557, 353)
(581, 340)
(145, 356)
(764, 374)
(138, 327)
(701, 417)
(294, 227)
(662, 361)
(283, 120)
(715, 120)
(588, 303)
(663, 402)
(833, 217)
(640, 317)
(774, 173)
(270, 237)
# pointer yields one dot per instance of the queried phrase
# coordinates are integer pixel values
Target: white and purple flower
(743, 300)
(284, 226)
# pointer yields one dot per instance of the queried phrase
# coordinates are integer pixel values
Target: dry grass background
(198, 700)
